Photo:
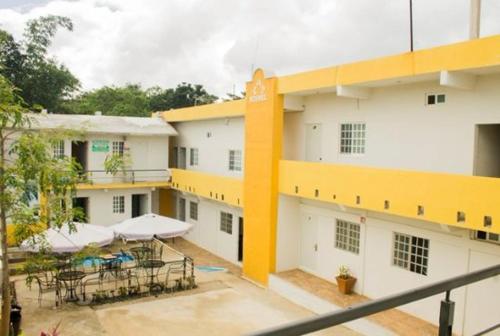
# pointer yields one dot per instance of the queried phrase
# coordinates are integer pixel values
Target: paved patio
(395, 320)
(223, 304)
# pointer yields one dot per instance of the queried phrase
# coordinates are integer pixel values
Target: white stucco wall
(100, 208)
(213, 138)
(206, 231)
(146, 153)
(450, 253)
(402, 132)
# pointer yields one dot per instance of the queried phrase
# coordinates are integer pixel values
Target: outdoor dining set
(142, 270)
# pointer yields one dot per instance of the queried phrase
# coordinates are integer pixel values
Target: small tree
(29, 173)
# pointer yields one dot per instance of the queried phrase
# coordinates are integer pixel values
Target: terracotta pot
(346, 285)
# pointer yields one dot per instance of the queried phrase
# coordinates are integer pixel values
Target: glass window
(118, 204)
(193, 156)
(347, 236)
(58, 149)
(411, 253)
(118, 147)
(226, 222)
(352, 138)
(235, 160)
(193, 210)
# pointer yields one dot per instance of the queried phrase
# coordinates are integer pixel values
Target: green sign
(100, 146)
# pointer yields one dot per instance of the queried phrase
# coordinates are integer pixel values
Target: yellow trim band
(230, 109)
(440, 196)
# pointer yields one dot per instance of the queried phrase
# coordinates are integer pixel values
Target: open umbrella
(62, 240)
(147, 226)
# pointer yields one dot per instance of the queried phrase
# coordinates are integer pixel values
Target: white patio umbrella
(147, 226)
(62, 240)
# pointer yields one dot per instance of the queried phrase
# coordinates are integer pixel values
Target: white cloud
(215, 43)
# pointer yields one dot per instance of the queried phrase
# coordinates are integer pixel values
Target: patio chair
(46, 285)
(93, 280)
(175, 276)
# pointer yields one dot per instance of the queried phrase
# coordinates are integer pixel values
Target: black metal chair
(175, 276)
(47, 284)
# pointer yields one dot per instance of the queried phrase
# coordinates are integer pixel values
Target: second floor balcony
(148, 177)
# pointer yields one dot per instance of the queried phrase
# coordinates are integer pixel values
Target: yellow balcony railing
(219, 188)
(468, 202)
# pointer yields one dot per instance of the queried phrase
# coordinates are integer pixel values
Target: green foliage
(42, 81)
(90, 250)
(132, 100)
(129, 100)
(27, 165)
(183, 95)
(115, 163)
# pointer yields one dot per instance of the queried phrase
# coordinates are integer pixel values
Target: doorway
(79, 153)
(487, 151)
(309, 243)
(240, 239)
(139, 205)
(182, 158)
(83, 204)
(313, 142)
(182, 209)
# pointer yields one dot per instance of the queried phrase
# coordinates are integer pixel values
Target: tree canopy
(43, 82)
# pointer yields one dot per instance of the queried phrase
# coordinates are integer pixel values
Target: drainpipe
(475, 19)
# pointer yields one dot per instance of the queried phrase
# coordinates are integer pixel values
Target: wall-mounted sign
(100, 146)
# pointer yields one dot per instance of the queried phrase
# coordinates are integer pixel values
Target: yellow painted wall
(220, 188)
(119, 185)
(234, 108)
(167, 202)
(263, 138)
(471, 54)
(441, 195)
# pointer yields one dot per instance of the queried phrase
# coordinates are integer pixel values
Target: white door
(313, 142)
(309, 243)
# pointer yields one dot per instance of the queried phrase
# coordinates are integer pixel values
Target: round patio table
(152, 267)
(71, 280)
(140, 253)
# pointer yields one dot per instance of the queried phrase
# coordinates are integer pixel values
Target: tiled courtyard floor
(395, 320)
(223, 304)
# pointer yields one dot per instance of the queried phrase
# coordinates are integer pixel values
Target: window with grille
(226, 222)
(118, 147)
(193, 210)
(352, 138)
(58, 149)
(347, 236)
(235, 160)
(411, 253)
(118, 204)
(193, 156)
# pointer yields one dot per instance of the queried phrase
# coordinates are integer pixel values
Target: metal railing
(125, 176)
(328, 320)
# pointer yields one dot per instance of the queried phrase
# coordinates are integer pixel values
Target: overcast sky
(217, 42)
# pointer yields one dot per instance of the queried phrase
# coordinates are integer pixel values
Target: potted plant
(345, 281)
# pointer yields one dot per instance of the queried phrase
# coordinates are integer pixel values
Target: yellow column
(263, 140)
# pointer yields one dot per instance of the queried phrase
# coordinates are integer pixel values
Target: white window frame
(119, 204)
(235, 160)
(226, 222)
(355, 145)
(193, 156)
(58, 149)
(118, 148)
(193, 214)
(489, 237)
(347, 236)
(411, 253)
(436, 95)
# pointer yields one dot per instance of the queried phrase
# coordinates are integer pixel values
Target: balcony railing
(125, 176)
